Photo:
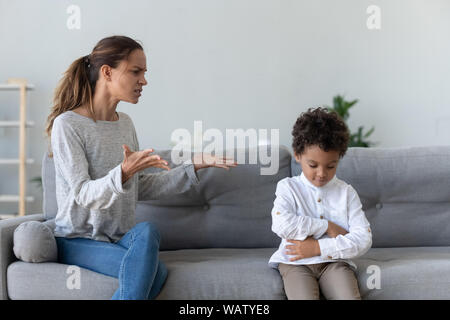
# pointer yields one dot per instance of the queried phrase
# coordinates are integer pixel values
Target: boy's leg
(338, 282)
(299, 282)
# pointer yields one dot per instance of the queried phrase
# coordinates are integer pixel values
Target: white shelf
(15, 161)
(16, 124)
(15, 87)
(14, 198)
(21, 86)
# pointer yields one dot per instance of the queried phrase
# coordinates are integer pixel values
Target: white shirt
(301, 210)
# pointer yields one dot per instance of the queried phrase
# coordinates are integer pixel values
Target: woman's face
(128, 78)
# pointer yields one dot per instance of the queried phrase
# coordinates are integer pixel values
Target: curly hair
(320, 127)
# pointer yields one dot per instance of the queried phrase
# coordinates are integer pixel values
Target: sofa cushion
(192, 274)
(404, 192)
(55, 281)
(228, 209)
(34, 242)
(405, 273)
(221, 274)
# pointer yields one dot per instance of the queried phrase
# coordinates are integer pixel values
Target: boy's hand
(303, 249)
(334, 230)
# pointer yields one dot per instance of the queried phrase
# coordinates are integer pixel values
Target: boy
(318, 216)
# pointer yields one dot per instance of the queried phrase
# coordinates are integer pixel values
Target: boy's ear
(297, 157)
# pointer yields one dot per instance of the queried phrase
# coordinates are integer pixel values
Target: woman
(99, 170)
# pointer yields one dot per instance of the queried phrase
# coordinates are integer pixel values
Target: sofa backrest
(49, 204)
(229, 208)
(405, 193)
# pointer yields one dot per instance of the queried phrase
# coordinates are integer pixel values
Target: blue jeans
(134, 259)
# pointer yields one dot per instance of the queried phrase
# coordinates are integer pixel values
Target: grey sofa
(217, 239)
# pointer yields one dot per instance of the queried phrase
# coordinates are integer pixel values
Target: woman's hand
(334, 230)
(303, 249)
(135, 161)
(205, 160)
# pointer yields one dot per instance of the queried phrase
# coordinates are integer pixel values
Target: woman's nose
(143, 81)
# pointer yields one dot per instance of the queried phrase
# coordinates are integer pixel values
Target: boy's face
(318, 166)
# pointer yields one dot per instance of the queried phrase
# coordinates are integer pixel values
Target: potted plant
(342, 107)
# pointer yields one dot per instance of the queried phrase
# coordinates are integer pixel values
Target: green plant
(342, 107)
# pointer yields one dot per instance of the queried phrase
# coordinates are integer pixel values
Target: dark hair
(77, 86)
(320, 127)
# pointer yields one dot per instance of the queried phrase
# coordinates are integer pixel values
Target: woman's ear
(105, 71)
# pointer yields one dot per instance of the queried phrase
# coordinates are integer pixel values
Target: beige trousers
(337, 281)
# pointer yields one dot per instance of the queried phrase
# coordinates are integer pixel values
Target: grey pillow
(34, 242)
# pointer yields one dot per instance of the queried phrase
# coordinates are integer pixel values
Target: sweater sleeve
(285, 221)
(355, 243)
(70, 161)
(152, 186)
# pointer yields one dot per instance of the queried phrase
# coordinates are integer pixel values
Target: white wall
(240, 64)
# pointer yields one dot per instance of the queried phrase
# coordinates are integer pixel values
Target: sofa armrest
(7, 256)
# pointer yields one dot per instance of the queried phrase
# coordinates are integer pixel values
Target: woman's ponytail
(73, 91)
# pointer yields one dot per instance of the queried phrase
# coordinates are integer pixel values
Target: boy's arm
(287, 224)
(355, 243)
